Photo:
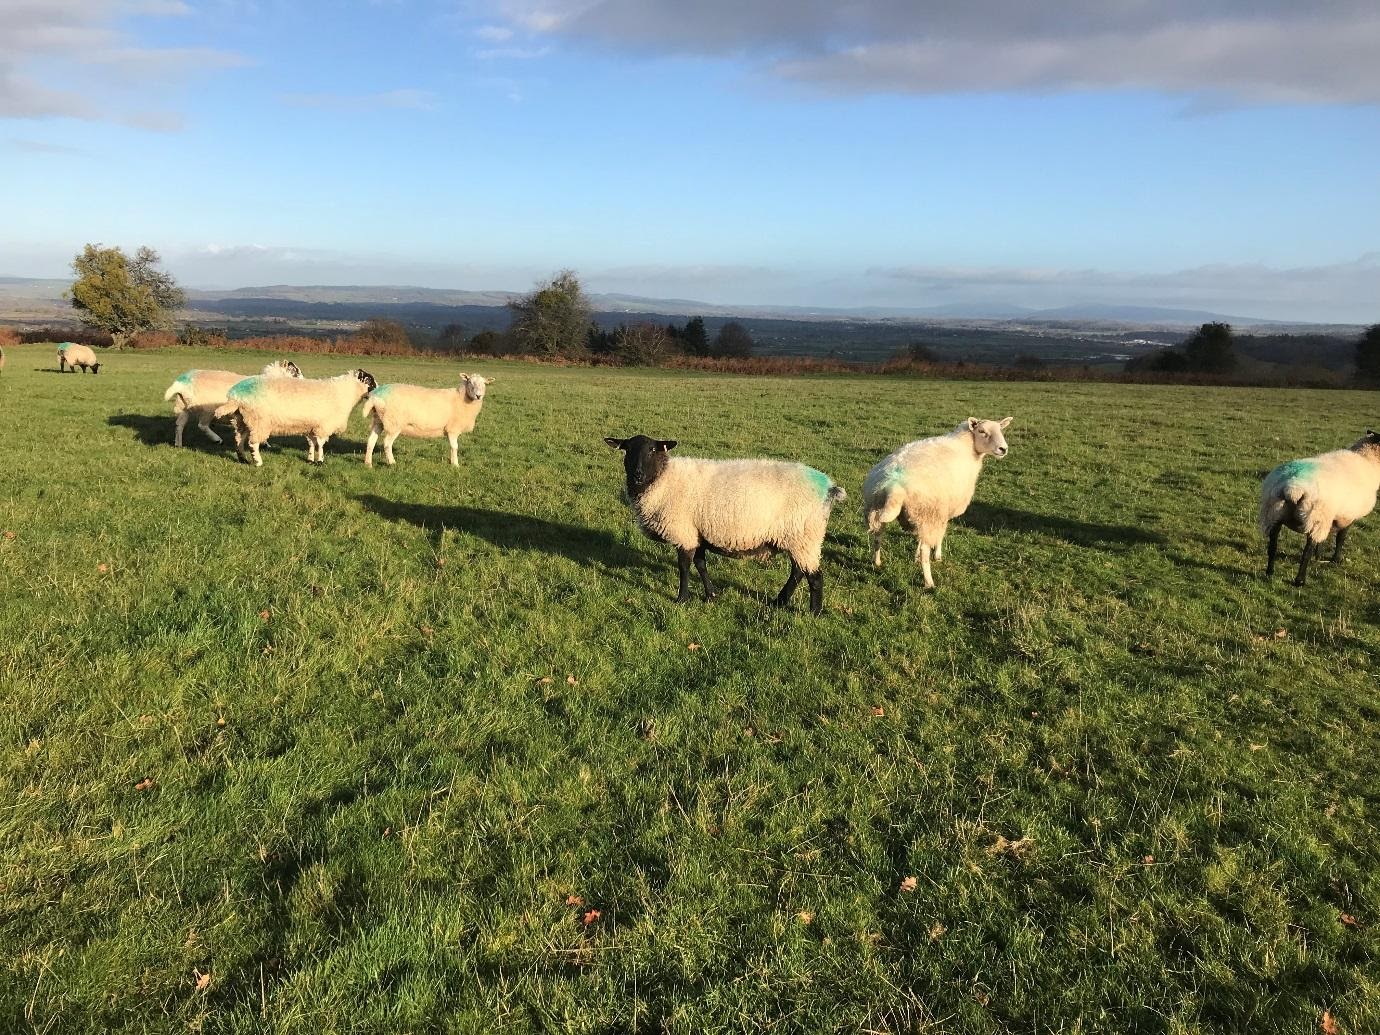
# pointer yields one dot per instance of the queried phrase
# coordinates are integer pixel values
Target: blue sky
(1221, 154)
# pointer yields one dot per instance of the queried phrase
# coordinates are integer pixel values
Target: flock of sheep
(736, 508)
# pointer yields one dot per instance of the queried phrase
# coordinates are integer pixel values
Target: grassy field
(420, 749)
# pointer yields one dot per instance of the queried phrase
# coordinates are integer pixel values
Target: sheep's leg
(710, 590)
(1272, 549)
(369, 446)
(784, 597)
(875, 535)
(321, 441)
(388, 448)
(939, 548)
(816, 580)
(241, 438)
(683, 563)
(205, 425)
(254, 452)
(455, 450)
(877, 519)
(178, 425)
(1341, 541)
(922, 558)
(1308, 547)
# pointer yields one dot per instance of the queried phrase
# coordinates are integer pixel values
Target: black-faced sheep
(266, 406)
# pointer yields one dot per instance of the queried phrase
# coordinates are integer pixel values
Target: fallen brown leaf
(1348, 920)
(265, 614)
(144, 784)
(692, 646)
(203, 981)
(102, 568)
(909, 884)
(878, 710)
(806, 917)
(1328, 1024)
(937, 931)
(9, 535)
(1001, 846)
(1281, 634)
(591, 916)
(572, 680)
(574, 900)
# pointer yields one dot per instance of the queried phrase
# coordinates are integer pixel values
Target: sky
(1214, 154)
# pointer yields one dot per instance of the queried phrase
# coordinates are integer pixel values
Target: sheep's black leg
(1341, 539)
(683, 563)
(1274, 549)
(710, 591)
(816, 580)
(784, 597)
(1308, 547)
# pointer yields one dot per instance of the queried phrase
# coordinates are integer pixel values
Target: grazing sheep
(199, 392)
(928, 483)
(265, 406)
(737, 508)
(423, 413)
(1318, 494)
(73, 355)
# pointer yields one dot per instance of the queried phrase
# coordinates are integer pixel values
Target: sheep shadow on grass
(510, 531)
(159, 431)
(993, 520)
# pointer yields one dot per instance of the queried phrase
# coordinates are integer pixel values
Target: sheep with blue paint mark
(198, 393)
(1319, 495)
(71, 355)
(737, 508)
(316, 408)
(927, 483)
(398, 409)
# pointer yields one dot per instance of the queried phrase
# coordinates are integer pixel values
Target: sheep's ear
(973, 423)
(617, 443)
(1004, 422)
(663, 447)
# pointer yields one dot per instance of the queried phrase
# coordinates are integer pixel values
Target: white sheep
(73, 355)
(927, 483)
(737, 508)
(1318, 494)
(265, 406)
(418, 412)
(198, 393)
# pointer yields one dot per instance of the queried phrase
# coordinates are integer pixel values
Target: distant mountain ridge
(25, 298)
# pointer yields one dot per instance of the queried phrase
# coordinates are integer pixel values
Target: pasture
(422, 749)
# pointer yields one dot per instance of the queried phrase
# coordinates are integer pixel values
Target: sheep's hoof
(711, 596)
(1299, 583)
(684, 598)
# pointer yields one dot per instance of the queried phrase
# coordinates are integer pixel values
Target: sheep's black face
(643, 460)
(369, 383)
(291, 368)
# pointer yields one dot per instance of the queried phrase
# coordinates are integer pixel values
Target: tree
(451, 338)
(1368, 355)
(693, 339)
(553, 319)
(379, 335)
(123, 296)
(921, 352)
(733, 340)
(1209, 350)
(643, 344)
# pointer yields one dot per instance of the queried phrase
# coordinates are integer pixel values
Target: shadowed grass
(353, 742)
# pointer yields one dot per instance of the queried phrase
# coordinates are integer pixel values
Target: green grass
(394, 719)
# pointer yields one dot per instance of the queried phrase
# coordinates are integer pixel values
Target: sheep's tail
(1279, 498)
(368, 406)
(226, 409)
(835, 494)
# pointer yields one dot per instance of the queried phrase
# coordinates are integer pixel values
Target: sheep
(198, 393)
(423, 413)
(265, 406)
(1318, 494)
(73, 355)
(737, 508)
(928, 483)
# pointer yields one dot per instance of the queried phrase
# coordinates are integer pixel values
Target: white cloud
(73, 59)
(1241, 50)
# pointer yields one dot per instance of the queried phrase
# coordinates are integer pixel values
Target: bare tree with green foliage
(123, 296)
(1368, 356)
(1209, 349)
(553, 319)
(643, 344)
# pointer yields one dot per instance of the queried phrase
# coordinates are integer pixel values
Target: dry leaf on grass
(1281, 634)
(1328, 1024)
(102, 568)
(203, 981)
(265, 614)
(1348, 920)
(937, 931)
(692, 646)
(574, 900)
(909, 884)
(9, 535)
(878, 710)
(591, 916)
(572, 680)
(144, 784)
(1001, 846)
(806, 917)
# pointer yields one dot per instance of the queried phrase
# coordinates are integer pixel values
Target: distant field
(423, 749)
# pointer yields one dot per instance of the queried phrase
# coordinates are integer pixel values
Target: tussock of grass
(406, 729)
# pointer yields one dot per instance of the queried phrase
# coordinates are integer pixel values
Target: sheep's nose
(1001, 451)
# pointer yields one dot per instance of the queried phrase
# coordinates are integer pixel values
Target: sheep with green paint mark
(418, 412)
(737, 508)
(71, 355)
(316, 408)
(1319, 495)
(198, 393)
(927, 483)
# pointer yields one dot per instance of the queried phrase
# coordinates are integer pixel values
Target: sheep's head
(474, 385)
(291, 368)
(1370, 444)
(988, 439)
(643, 460)
(366, 379)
